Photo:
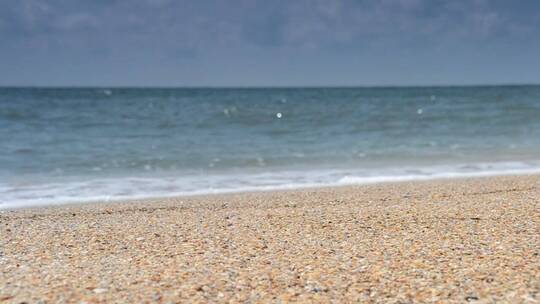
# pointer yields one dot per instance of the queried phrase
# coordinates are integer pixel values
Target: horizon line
(388, 86)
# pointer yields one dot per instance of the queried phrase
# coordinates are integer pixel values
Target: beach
(454, 240)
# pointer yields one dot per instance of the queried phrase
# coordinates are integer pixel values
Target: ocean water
(83, 144)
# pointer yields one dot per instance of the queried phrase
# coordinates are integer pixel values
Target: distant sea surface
(69, 144)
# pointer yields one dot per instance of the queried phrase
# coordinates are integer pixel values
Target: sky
(268, 43)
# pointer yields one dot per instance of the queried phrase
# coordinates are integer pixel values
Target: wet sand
(467, 240)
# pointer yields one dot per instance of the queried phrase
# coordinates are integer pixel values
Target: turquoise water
(70, 144)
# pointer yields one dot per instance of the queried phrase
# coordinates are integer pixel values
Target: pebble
(100, 290)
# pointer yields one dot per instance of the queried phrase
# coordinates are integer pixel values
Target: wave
(28, 194)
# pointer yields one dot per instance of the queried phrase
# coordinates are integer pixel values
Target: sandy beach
(467, 240)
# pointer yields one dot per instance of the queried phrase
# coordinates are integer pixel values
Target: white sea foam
(16, 195)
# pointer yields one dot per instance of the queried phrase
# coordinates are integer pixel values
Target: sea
(68, 145)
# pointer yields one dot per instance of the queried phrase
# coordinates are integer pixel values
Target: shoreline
(452, 240)
(284, 188)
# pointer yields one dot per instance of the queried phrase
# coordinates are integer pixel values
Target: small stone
(100, 290)
(471, 298)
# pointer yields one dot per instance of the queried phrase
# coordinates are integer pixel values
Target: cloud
(77, 22)
(262, 23)
(198, 35)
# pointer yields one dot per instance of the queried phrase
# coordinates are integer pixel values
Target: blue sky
(268, 43)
